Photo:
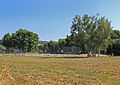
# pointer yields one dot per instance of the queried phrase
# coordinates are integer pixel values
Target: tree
(62, 43)
(91, 32)
(21, 37)
(6, 41)
(45, 47)
(69, 41)
(115, 34)
(25, 40)
(103, 33)
(114, 47)
(41, 48)
(32, 41)
(53, 47)
(2, 47)
(0, 41)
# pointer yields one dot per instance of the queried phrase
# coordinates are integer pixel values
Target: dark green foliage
(69, 41)
(114, 47)
(115, 34)
(88, 34)
(0, 41)
(6, 41)
(24, 40)
(91, 32)
(2, 47)
(53, 47)
(62, 43)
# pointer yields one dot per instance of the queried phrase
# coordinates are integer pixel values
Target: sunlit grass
(19, 70)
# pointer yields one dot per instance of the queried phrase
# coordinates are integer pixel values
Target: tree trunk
(88, 55)
(99, 54)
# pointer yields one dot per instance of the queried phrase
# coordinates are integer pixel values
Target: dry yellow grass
(59, 71)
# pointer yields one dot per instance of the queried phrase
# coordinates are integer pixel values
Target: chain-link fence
(63, 50)
(55, 50)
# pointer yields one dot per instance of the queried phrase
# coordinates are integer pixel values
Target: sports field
(19, 70)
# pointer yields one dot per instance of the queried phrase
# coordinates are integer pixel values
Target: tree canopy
(24, 40)
(2, 47)
(91, 32)
(114, 47)
(87, 33)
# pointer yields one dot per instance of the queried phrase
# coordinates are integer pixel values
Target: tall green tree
(69, 41)
(6, 41)
(103, 34)
(2, 47)
(91, 32)
(62, 43)
(26, 40)
(0, 41)
(32, 40)
(45, 47)
(114, 47)
(53, 47)
(22, 38)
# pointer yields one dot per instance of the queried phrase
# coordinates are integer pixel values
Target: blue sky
(51, 19)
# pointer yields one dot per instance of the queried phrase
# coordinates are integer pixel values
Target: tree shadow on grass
(63, 57)
(71, 57)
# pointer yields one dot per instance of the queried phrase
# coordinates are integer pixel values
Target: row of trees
(114, 46)
(52, 46)
(24, 40)
(56, 47)
(62, 46)
(90, 33)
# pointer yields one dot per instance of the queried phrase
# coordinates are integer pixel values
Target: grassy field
(59, 71)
